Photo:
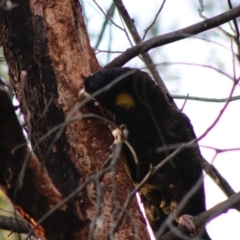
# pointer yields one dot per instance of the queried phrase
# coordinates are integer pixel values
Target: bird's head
(118, 88)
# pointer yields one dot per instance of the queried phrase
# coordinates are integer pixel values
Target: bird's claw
(186, 220)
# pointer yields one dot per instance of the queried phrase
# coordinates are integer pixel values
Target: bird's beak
(83, 95)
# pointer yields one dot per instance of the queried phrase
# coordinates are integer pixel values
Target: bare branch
(184, 103)
(199, 65)
(137, 39)
(204, 217)
(106, 51)
(154, 20)
(217, 178)
(200, 11)
(108, 16)
(236, 81)
(174, 36)
(234, 21)
(202, 99)
(14, 225)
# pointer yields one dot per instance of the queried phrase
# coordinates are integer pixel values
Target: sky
(193, 80)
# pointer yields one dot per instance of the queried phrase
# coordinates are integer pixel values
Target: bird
(155, 129)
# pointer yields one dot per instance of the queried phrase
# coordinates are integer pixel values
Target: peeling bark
(25, 180)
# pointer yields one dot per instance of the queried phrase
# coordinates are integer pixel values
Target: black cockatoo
(153, 124)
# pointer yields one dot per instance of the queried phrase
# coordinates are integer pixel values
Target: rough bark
(26, 182)
(48, 53)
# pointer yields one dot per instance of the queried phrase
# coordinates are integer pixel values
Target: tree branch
(108, 16)
(202, 99)
(137, 39)
(203, 218)
(14, 225)
(174, 36)
(219, 180)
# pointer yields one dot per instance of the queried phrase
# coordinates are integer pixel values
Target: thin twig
(154, 20)
(217, 178)
(184, 103)
(198, 65)
(108, 16)
(221, 150)
(99, 175)
(202, 99)
(152, 172)
(234, 21)
(14, 225)
(106, 51)
(200, 11)
(220, 113)
(137, 39)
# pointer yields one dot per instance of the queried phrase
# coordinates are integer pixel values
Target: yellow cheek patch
(125, 100)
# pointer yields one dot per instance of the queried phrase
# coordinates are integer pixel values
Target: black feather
(153, 123)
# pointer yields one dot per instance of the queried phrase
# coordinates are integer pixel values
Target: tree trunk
(47, 50)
